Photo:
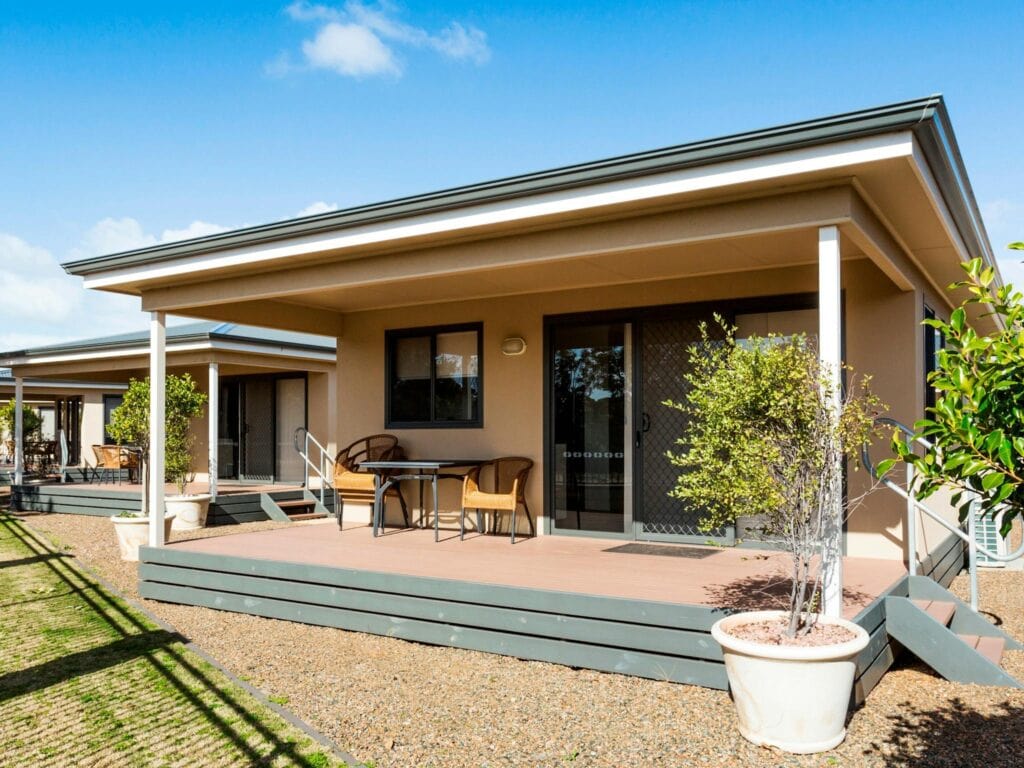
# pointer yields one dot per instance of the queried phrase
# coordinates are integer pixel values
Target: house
(263, 385)
(74, 407)
(548, 315)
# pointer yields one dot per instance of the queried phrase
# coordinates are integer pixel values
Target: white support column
(212, 410)
(829, 351)
(19, 430)
(157, 393)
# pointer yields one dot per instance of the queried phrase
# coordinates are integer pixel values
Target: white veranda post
(829, 348)
(157, 393)
(19, 430)
(212, 407)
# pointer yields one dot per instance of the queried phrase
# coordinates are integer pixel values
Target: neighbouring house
(548, 316)
(79, 409)
(267, 384)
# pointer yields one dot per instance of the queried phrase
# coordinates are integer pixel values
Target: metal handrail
(324, 468)
(65, 452)
(970, 537)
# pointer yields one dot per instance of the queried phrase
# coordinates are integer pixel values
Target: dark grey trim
(925, 117)
(127, 342)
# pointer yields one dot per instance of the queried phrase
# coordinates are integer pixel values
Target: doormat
(666, 550)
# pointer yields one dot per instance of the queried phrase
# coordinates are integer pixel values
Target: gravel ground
(405, 705)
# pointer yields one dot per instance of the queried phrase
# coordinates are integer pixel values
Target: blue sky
(127, 123)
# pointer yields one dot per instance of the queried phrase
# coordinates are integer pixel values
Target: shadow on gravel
(954, 735)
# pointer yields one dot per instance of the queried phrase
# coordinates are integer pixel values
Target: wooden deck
(609, 605)
(686, 575)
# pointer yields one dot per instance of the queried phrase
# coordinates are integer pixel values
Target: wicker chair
(356, 484)
(108, 461)
(509, 477)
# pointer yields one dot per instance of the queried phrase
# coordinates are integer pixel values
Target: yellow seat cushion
(482, 500)
(353, 481)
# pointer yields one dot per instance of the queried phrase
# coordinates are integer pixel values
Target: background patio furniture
(360, 485)
(41, 456)
(508, 475)
(108, 462)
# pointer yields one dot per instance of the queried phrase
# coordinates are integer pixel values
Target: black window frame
(391, 336)
(107, 412)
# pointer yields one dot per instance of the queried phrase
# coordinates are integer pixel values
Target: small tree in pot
(129, 425)
(765, 440)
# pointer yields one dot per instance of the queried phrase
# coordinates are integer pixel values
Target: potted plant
(132, 530)
(189, 509)
(766, 441)
(129, 425)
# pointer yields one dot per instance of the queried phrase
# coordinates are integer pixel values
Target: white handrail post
(157, 393)
(829, 355)
(213, 426)
(19, 430)
(305, 459)
(972, 552)
(911, 519)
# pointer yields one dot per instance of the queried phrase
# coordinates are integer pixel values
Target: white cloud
(349, 49)
(359, 40)
(314, 208)
(112, 235)
(41, 304)
(195, 229)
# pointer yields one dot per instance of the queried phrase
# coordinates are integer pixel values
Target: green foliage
(129, 423)
(30, 421)
(977, 424)
(766, 439)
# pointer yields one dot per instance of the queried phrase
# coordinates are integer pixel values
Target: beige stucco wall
(883, 338)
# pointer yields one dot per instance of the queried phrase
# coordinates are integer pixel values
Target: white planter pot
(791, 697)
(133, 532)
(189, 511)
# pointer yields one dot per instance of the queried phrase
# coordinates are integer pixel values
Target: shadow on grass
(30, 560)
(954, 734)
(138, 640)
(765, 593)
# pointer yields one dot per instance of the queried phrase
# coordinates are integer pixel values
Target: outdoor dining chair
(508, 481)
(357, 484)
(108, 462)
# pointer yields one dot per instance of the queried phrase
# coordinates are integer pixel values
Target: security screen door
(257, 459)
(610, 431)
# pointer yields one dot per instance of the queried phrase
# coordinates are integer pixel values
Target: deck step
(939, 610)
(295, 503)
(989, 647)
(300, 509)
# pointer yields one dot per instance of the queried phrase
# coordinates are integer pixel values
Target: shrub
(764, 439)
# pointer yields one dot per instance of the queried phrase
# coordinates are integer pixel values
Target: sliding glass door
(591, 424)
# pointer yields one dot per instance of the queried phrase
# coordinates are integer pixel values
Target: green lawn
(86, 680)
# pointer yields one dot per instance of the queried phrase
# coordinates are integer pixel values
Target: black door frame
(273, 378)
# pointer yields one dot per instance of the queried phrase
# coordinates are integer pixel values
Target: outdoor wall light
(513, 345)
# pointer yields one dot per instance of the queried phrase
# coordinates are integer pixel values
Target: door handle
(645, 422)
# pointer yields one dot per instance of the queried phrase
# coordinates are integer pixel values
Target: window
(435, 377)
(110, 402)
(933, 342)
